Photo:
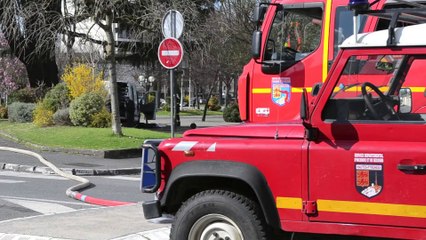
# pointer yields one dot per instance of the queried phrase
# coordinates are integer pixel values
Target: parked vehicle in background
(133, 104)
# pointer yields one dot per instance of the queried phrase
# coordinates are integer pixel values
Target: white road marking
(30, 175)
(10, 181)
(41, 207)
(136, 179)
(46, 200)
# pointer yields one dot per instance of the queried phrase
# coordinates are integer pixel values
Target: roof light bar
(358, 5)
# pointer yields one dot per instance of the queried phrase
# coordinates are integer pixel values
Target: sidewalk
(115, 223)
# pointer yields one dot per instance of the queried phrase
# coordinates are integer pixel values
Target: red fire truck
(353, 163)
(296, 43)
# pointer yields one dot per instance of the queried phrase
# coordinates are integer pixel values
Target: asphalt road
(211, 120)
(30, 194)
(35, 206)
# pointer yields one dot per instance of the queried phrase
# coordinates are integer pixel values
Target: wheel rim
(215, 227)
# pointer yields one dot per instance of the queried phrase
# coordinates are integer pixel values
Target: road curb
(123, 153)
(105, 172)
(73, 171)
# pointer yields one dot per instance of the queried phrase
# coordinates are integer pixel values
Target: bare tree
(144, 17)
(221, 46)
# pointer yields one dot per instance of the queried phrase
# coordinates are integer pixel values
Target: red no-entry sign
(170, 53)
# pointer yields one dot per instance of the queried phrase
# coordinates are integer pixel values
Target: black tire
(218, 212)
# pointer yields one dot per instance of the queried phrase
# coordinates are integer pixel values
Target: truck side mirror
(304, 106)
(315, 89)
(405, 100)
(256, 44)
(259, 14)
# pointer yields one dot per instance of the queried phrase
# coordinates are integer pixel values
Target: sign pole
(173, 24)
(172, 103)
(172, 80)
(170, 53)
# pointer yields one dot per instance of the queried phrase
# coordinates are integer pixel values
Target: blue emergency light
(358, 5)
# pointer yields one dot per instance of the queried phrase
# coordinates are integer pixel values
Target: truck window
(294, 34)
(343, 27)
(383, 72)
(415, 81)
(360, 69)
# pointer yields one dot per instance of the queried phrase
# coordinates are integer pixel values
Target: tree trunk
(220, 92)
(228, 88)
(203, 119)
(110, 57)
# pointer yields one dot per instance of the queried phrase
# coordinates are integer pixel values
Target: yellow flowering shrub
(43, 117)
(81, 79)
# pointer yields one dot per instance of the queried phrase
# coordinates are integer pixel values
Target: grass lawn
(79, 137)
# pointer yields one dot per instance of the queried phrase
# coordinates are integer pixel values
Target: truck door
(369, 168)
(291, 59)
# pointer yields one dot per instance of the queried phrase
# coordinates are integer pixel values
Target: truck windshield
(343, 27)
(376, 69)
(295, 33)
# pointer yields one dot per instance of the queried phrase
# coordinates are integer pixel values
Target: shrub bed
(21, 112)
(84, 107)
(231, 113)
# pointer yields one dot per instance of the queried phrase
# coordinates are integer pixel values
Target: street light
(146, 82)
(141, 79)
(151, 79)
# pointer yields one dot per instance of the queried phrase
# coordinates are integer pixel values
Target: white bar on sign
(169, 53)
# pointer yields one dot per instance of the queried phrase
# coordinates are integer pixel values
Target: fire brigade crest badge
(281, 90)
(369, 174)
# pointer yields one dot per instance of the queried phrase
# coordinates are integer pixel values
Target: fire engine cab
(293, 48)
(354, 163)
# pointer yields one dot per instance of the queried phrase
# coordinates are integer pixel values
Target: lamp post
(141, 79)
(146, 83)
(151, 79)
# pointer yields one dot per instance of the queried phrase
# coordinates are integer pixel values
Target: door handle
(412, 168)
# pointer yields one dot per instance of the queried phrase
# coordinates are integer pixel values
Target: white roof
(414, 35)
